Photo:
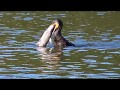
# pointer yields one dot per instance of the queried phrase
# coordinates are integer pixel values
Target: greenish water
(96, 36)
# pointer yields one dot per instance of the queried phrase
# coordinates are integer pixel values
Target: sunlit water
(95, 34)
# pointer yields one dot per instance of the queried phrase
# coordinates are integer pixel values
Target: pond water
(96, 35)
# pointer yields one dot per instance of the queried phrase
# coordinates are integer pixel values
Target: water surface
(96, 36)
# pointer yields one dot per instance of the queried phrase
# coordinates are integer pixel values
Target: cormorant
(54, 30)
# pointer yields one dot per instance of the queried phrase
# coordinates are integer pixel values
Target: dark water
(95, 34)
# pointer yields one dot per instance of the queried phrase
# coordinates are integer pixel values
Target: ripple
(89, 61)
(115, 52)
(117, 37)
(91, 56)
(116, 68)
(108, 57)
(100, 76)
(106, 63)
(82, 50)
(101, 69)
(73, 66)
(112, 75)
(92, 65)
(101, 13)
(28, 18)
(6, 56)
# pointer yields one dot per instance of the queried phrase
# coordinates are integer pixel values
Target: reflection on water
(95, 34)
(50, 55)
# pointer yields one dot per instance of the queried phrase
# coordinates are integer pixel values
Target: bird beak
(56, 26)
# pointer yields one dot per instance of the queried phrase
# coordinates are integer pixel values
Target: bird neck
(58, 36)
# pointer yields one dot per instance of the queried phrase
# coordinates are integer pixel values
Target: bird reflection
(51, 55)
